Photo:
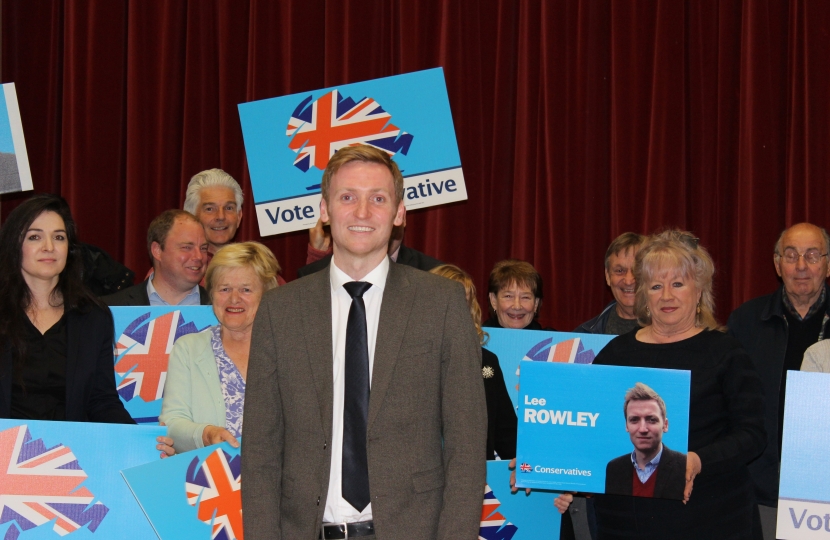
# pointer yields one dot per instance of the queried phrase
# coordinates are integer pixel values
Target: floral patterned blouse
(233, 384)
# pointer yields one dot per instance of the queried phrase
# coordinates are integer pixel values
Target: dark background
(576, 120)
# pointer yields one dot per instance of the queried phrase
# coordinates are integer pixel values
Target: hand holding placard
(693, 467)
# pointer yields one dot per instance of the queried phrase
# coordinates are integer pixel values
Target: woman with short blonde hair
(204, 394)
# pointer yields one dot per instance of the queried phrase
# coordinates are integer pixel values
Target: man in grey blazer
(425, 423)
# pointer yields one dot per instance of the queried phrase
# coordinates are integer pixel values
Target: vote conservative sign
(574, 436)
(290, 139)
(804, 489)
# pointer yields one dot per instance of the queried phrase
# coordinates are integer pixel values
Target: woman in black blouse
(56, 348)
(675, 306)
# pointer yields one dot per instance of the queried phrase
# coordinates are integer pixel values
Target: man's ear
(324, 211)
(400, 216)
(666, 425)
(155, 249)
(239, 218)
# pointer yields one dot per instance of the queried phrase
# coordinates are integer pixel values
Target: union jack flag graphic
(524, 467)
(39, 484)
(493, 525)
(321, 127)
(141, 354)
(214, 489)
(570, 351)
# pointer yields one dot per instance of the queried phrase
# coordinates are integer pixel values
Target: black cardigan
(501, 415)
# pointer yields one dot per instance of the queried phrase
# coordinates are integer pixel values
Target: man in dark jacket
(176, 244)
(618, 316)
(776, 330)
(652, 469)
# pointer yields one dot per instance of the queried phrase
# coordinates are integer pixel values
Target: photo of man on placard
(652, 469)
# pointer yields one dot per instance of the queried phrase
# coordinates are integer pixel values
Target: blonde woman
(204, 394)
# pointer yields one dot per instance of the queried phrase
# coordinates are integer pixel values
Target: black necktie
(355, 485)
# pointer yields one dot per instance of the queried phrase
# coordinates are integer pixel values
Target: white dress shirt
(338, 510)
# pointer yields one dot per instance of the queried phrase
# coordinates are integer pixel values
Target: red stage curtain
(576, 120)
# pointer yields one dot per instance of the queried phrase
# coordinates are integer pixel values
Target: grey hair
(824, 235)
(209, 178)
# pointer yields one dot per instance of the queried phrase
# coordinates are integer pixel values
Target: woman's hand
(693, 467)
(165, 444)
(513, 488)
(563, 502)
(215, 435)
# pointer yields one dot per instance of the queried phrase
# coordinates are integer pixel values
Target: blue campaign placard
(804, 489)
(201, 493)
(289, 140)
(144, 338)
(15, 174)
(62, 479)
(516, 516)
(513, 346)
(571, 421)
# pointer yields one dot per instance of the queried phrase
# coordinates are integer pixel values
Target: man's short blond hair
(365, 154)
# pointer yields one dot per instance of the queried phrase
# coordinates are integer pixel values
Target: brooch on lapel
(487, 372)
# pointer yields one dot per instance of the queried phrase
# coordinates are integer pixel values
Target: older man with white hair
(215, 198)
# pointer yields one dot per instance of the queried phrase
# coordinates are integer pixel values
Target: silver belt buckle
(343, 524)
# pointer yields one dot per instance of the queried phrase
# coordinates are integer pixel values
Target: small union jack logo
(321, 127)
(525, 467)
(39, 485)
(214, 488)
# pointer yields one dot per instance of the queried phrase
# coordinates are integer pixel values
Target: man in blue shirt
(178, 248)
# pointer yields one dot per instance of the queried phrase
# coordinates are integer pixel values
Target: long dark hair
(15, 296)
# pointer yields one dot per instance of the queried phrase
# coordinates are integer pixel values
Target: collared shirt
(192, 298)
(645, 473)
(817, 306)
(337, 509)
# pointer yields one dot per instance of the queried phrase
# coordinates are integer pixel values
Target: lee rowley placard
(574, 436)
(144, 338)
(804, 489)
(514, 346)
(61, 479)
(290, 139)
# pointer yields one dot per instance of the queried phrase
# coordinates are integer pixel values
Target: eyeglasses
(691, 241)
(811, 256)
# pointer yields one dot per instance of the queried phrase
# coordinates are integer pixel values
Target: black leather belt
(338, 531)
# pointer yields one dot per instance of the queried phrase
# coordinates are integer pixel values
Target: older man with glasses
(776, 330)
